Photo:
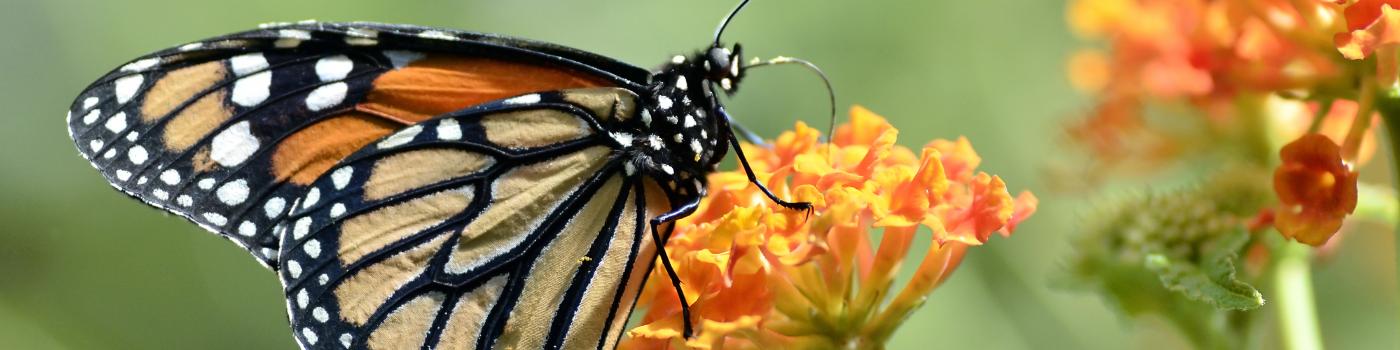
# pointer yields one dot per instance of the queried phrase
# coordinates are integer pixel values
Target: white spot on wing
(402, 137)
(247, 229)
(274, 207)
(523, 99)
(251, 90)
(293, 268)
(117, 122)
(341, 177)
(449, 130)
(234, 145)
(436, 34)
(206, 183)
(320, 314)
(216, 219)
(92, 116)
(337, 210)
(334, 67)
(185, 200)
(311, 198)
(170, 177)
(141, 65)
(326, 96)
(90, 101)
(312, 248)
(123, 175)
(160, 194)
(247, 63)
(233, 192)
(126, 87)
(345, 339)
(137, 154)
(95, 144)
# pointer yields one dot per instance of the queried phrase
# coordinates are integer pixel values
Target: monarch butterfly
(423, 187)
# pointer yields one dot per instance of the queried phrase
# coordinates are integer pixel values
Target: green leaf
(1213, 281)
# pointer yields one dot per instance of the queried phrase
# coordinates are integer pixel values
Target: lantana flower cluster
(758, 275)
(1250, 73)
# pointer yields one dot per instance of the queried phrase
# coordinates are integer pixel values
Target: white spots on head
(289, 38)
(523, 99)
(668, 169)
(170, 177)
(663, 102)
(681, 83)
(400, 58)
(703, 134)
(160, 194)
(233, 192)
(327, 96)
(92, 116)
(672, 119)
(361, 37)
(622, 138)
(646, 117)
(312, 248)
(191, 46)
(90, 101)
(341, 177)
(629, 168)
(436, 34)
(140, 65)
(402, 137)
(216, 219)
(311, 198)
(131, 136)
(247, 229)
(689, 121)
(679, 138)
(251, 90)
(345, 339)
(695, 147)
(123, 175)
(234, 145)
(655, 142)
(677, 59)
(302, 299)
(334, 68)
(293, 268)
(337, 210)
(449, 130)
(116, 123)
(185, 200)
(274, 207)
(126, 87)
(137, 154)
(320, 314)
(111, 152)
(247, 63)
(95, 145)
(301, 227)
(726, 84)
(206, 183)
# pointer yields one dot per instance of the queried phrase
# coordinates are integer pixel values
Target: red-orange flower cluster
(761, 276)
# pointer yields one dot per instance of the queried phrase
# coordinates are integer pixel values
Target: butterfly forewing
(228, 132)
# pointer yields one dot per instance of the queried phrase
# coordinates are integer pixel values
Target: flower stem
(1388, 105)
(1297, 315)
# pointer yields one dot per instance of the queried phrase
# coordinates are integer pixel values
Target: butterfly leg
(744, 161)
(675, 214)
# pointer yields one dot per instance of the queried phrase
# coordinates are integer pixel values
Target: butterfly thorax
(685, 134)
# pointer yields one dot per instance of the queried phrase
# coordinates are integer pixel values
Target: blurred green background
(83, 267)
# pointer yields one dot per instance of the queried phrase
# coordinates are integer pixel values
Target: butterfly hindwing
(227, 132)
(512, 224)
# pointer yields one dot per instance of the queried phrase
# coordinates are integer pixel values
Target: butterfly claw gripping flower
(761, 276)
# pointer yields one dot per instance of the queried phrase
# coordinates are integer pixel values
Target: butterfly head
(724, 67)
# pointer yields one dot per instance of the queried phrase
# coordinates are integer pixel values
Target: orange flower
(1316, 188)
(1370, 24)
(761, 276)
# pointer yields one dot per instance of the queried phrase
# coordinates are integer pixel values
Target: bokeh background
(83, 267)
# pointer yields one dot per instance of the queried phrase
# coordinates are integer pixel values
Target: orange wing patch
(307, 154)
(442, 83)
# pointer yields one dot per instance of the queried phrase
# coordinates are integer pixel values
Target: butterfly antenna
(720, 30)
(830, 92)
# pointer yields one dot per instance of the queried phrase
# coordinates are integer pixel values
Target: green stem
(1293, 282)
(1388, 105)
